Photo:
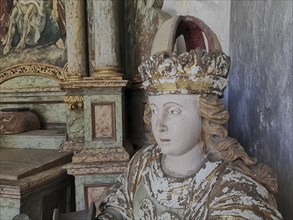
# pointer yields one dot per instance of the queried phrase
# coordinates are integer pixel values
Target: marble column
(76, 39)
(104, 19)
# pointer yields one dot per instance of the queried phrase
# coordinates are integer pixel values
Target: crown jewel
(193, 72)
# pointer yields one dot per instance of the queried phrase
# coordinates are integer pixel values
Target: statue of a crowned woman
(195, 170)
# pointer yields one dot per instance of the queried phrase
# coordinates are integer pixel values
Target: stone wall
(261, 87)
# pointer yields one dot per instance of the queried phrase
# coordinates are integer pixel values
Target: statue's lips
(165, 140)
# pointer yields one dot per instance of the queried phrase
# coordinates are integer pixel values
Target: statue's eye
(154, 111)
(174, 111)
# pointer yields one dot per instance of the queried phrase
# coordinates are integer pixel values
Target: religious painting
(95, 194)
(103, 115)
(32, 31)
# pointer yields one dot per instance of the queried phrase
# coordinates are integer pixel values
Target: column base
(74, 77)
(107, 73)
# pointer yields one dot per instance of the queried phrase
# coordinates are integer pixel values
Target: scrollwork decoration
(37, 69)
(74, 102)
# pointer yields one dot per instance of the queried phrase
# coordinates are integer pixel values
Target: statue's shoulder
(147, 153)
(236, 192)
(232, 174)
(239, 178)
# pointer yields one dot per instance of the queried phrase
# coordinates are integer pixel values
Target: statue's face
(176, 123)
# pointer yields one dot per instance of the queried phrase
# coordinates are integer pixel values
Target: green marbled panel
(100, 179)
(49, 106)
(37, 139)
(75, 123)
(9, 208)
(40, 96)
(79, 193)
(29, 82)
(48, 113)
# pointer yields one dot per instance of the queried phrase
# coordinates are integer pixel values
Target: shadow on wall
(261, 87)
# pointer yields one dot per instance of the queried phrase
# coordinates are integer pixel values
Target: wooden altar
(74, 80)
(32, 181)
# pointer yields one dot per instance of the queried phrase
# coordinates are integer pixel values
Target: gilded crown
(193, 72)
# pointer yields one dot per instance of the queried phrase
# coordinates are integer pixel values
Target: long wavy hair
(219, 146)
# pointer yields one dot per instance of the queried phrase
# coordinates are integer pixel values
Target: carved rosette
(74, 102)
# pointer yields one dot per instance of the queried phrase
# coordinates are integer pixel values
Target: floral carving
(33, 69)
(74, 102)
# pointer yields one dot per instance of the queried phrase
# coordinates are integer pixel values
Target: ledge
(91, 82)
(76, 169)
(36, 139)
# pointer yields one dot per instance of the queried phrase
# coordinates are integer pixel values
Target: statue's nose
(160, 125)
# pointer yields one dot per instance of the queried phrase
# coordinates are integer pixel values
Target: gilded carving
(105, 73)
(74, 102)
(196, 70)
(33, 69)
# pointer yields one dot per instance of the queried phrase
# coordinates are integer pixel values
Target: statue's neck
(185, 165)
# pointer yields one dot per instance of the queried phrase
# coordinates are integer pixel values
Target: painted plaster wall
(215, 13)
(261, 87)
(258, 37)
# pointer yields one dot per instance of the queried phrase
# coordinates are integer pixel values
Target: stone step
(36, 139)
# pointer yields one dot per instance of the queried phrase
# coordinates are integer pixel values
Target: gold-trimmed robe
(216, 191)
